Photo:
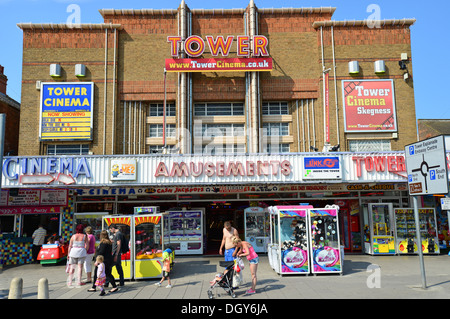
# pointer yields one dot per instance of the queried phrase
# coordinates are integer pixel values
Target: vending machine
(405, 225)
(379, 229)
(124, 223)
(257, 228)
(288, 249)
(325, 242)
(148, 242)
(186, 231)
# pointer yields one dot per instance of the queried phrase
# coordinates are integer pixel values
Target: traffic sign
(426, 166)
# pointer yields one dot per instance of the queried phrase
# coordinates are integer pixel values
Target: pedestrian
(228, 233)
(78, 246)
(89, 254)
(101, 274)
(167, 261)
(105, 249)
(117, 251)
(38, 240)
(246, 249)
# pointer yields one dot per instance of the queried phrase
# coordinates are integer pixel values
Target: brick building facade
(11, 109)
(124, 58)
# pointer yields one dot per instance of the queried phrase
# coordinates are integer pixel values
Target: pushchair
(224, 280)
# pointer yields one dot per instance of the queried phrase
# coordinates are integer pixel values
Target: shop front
(201, 192)
(22, 211)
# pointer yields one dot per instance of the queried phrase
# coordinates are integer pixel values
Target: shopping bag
(238, 279)
(240, 263)
(67, 267)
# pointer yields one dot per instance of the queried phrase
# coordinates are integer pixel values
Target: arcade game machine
(124, 222)
(325, 243)
(91, 219)
(148, 243)
(288, 248)
(257, 228)
(186, 231)
(379, 229)
(406, 240)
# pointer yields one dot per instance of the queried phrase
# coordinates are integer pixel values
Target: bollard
(43, 288)
(15, 289)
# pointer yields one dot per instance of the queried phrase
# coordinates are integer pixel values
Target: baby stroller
(224, 280)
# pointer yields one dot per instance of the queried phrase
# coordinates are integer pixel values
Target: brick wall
(11, 128)
(67, 47)
(294, 45)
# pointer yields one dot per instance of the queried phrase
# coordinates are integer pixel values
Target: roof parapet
(65, 26)
(354, 23)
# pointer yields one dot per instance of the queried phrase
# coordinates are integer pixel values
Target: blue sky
(430, 41)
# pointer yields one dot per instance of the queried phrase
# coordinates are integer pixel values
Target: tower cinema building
(211, 109)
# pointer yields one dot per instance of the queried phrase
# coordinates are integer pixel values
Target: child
(167, 260)
(101, 275)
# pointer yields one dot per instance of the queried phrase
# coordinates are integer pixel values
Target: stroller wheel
(233, 295)
(210, 294)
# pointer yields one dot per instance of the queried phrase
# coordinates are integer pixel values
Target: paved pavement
(367, 277)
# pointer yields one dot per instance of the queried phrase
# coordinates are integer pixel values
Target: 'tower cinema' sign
(195, 46)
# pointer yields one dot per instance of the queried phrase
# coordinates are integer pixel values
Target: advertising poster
(321, 168)
(369, 106)
(66, 111)
(124, 170)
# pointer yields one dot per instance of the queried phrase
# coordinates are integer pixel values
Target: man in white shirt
(38, 240)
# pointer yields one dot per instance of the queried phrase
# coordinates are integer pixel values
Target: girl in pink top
(246, 249)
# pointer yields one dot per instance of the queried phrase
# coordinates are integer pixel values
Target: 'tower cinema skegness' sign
(195, 46)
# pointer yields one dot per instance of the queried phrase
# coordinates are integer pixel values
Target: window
(213, 130)
(275, 108)
(218, 109)
(158, 109)
(276, 148)
(68, 149)
(218, 149)
(276, 129)
(156, 130)
(369, 145)
(159, 149)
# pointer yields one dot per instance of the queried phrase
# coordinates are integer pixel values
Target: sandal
(114, 289)
(92, 290)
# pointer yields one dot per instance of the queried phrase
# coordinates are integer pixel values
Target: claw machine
(95, 220)
(405, 225)
(186, 228)
(379, 229)
(124, 222)
(149, 242)
(257, 228)
(325, 242)
(288, 247)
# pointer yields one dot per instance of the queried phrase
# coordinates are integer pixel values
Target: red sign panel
(369, 106)
(219, 65)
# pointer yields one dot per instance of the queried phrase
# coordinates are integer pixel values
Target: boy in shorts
(167, 260)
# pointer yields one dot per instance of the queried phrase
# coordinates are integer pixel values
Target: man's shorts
(229, 254)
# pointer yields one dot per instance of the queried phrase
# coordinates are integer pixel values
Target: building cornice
(368, 23)
(64, 26)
